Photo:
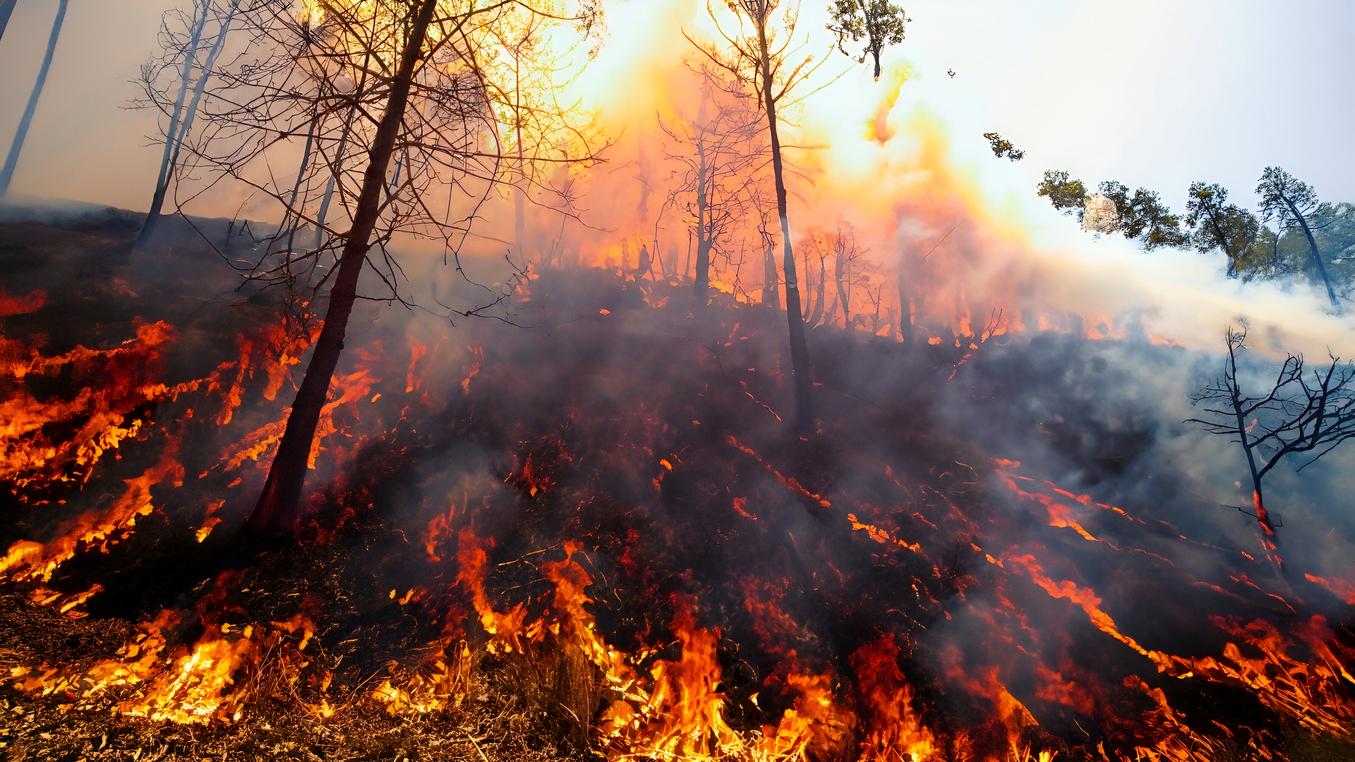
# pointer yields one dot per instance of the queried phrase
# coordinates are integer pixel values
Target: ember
(891, 484)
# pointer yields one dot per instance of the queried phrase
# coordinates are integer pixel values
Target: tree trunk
(1224, 243)
(687, 263)
(520, 191)
(821, 295)
(905, 307)
(337, 168)
(1317, 258)
(279, 505)
(176, 137)
(815, 298)
(26, 121)
(290, 217)
(770, 296)
(841, 276)
(1258, 500)
(701, 285)
(799, 349)
(6, 8)
(704, 181)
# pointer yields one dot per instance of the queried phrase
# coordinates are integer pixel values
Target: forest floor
(611, 413)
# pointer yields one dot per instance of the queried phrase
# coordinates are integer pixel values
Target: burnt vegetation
(497, 562)
(408, 456)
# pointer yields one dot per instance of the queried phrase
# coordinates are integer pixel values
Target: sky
(1155, 93)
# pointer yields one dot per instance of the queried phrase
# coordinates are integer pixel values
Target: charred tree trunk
(770, 296)
(687, 262)
(816, 292)
(26, 121)
(520, 191)
(905, 306)
(279, 505)
(799, 348)
(841, 276)
(701, 286)
(821, 295)
(701, 283)
(1244, 439)
(704, 193)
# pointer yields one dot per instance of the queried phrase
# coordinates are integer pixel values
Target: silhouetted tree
(432, 101)
(717, 156)
(771, 281)
(848, 256)
(181, 118)
(772, 65)
(877, 23)
(1306, 411)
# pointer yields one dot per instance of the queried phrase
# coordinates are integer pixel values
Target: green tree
(877, 23)
(1292, 204)
(1143, 217)
(1064, 193)
(1140, 216)
(1003, 148)
(1217, 224)
(1336, 236)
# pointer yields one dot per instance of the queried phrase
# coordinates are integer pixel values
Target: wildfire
(565, 560)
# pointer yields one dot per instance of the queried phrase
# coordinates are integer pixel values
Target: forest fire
(617, 610)
(806, 452)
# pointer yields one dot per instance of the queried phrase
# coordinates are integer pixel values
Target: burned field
(589, 534)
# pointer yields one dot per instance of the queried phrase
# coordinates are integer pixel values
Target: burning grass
(592, 535)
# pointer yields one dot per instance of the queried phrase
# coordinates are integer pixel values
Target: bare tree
(384, 79)
(182, 115)
(527, 75)
(771, 296)
(16, 146)
(814, 251)
(765, 55)
(848, 256)
(1303, 413)
(716, 158)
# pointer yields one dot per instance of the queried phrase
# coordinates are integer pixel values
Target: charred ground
(616, 454)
